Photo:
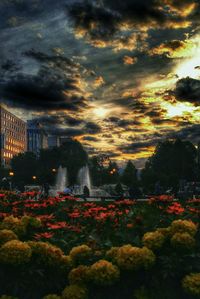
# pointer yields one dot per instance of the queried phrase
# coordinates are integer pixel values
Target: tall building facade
(53, 141)
(13, 136)
(37, 137)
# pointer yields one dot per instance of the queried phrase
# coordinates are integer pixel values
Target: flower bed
(59, 248)
(165, 265)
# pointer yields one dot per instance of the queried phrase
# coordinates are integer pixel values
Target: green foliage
(26, 165)
(172, 161)
(129, 176)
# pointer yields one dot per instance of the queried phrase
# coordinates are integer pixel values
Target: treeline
(172, 161)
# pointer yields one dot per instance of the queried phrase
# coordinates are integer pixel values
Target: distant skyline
(119, 76)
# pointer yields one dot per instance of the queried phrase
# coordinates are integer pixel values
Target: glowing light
(100, 112)
(190, 66)
(178, 109)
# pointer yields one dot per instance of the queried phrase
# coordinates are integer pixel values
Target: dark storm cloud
(188, 89)
(136, 147)
(58, 119)
(68, 132)
(56, 85)
(188, 133)
(42, 91)
(92, 128)
(90, 138)
(122, 123)
(102, 19)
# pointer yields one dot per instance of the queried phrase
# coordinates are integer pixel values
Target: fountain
(84, 178)
(61, 179)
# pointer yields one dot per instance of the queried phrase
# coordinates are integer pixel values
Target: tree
(73, 157)
(129, 175)
(24, 166)
(172, 161)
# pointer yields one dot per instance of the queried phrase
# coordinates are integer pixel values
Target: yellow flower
(183, 226)
(46, 254)
(183, 241)
(153, 240)
(32, 221)
(14, 224)
(80, 253)
(75, 292)
(104, 273)
(7, 235)
(51, 296)
(15, 253)
(166, 231)
(191, 284)
(111, 254)
(66, 263)
(134, 258)
(79, 275)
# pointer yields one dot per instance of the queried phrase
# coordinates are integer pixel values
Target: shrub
(153, 240)
(80, 253)
(134, 258)
(7, 235)
(191, 284)
(111, 254)
(75, 292)
(15, 253)
(31, 221)
(104, 273)
(79, 275)
(46, 254)
(183, 241)
(14, 224)
(183, 226)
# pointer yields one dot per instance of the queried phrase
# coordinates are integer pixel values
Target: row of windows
(15, 142)
(11, 118)
(7, 155)
(14, 135)
(14, 149)
(18, 128)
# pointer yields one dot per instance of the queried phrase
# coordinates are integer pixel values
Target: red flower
(46, 235)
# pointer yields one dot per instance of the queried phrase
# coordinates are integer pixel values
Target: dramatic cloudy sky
(118, 75)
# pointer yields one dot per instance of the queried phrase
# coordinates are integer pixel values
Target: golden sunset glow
(178, 109)
(100, 112)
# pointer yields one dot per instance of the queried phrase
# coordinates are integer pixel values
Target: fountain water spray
(61, 179)
(84, 178)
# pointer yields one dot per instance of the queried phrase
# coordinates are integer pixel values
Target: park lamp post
(53, 170)
(34, 177)
(11, 174)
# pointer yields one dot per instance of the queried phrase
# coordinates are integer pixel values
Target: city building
(64, 139)
(37, 138)
(13, 136)
(53, 141)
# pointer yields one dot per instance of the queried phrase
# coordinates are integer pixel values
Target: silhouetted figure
(46, 188)
(86, 191)
(67, 191)
(158, 189)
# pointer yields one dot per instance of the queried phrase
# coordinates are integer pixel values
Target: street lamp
(11, 174)
(34, 177)
(53, 170)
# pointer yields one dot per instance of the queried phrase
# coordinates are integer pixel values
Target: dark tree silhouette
(173, 160)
